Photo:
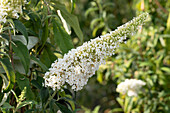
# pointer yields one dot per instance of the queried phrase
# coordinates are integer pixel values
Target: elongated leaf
(70, 19)
(2, 53)
(73, 5)
(5, 37)
(39, 63)
(44, 95)
(27, 102)
(21, 50)
(145, 64)
(9, 72)
(31, 43)
(6, 106)
(20, 27)
(38, 83)
(92, 9)
(63, 109)
(53, 107)
(47, 57)
(1, 94)
(34, 2)
(61, 37)
(166, 69)
(22, 82)
(45, 33)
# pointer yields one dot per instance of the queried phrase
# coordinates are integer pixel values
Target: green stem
(51, 97)
(10, 48)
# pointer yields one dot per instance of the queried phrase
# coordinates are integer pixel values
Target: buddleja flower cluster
(78, 65)
(10, 8)
(130, 87)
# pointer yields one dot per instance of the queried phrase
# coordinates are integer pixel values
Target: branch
(160, 6)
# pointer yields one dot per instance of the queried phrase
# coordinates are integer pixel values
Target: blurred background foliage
(49, 28)
(145, 56)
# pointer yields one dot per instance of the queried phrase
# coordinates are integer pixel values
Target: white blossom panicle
(130, 87)
(59, 111)
(10, 8)
(78, 65)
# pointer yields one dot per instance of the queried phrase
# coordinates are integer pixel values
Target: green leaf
(168, 23)
(61, 37)
(1, 94)
(95, 22)
(128, 104)
(27, 102)
(38, 82)
(22, 82)
(5, 37)
(53, 107)
(73, 5)
(68, 99)
(32, 40)
(47, 57)
(63, 109)
(34, 2)
(120, 101)
(117, 110)
(20, 27)
(9, 72)
(100, 77)
(39, 63)
(166, 69)
(96, 109)
(44, 95)
(21, 102)
(99, 26)
(70, 19)
(18, 65)
(44, 34)
(21, 50)
(91, 9)
(145, 64)
(2, 53)
(6, 106)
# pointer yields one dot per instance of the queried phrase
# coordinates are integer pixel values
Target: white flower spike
(10, 8)
(130, 87)
(79, 64)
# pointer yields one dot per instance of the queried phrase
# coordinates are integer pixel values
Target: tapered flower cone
(79, 64)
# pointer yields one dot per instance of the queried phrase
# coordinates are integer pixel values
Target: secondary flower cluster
(130, 87)
(10, 8)
(78, 65)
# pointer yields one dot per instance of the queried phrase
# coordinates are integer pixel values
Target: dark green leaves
(22, 52)
(20, 27)
(22, 82)
(63, 109)
(44, 33)
(44, 95)
(62, 39)
(70, 19)
(9, 72)
(37, 61)
(47, 56)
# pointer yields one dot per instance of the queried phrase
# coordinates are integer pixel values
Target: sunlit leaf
(70, 19)
(22, 52)
(20, 27)
(62, 39)
(6, 64)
